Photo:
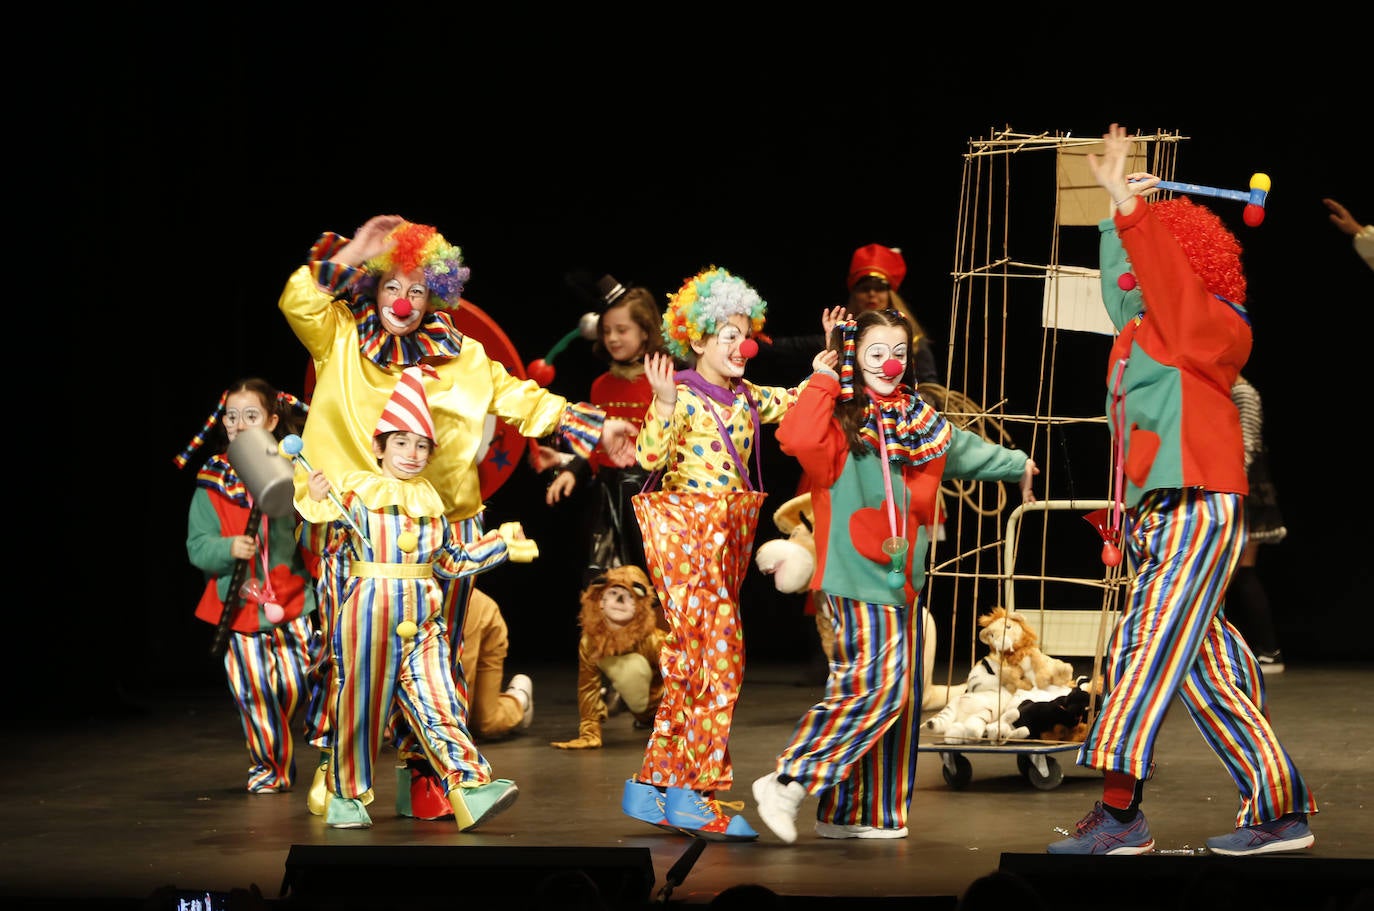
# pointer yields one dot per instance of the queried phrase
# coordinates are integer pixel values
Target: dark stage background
(217, 152)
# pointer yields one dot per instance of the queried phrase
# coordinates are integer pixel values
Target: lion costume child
(620, 655)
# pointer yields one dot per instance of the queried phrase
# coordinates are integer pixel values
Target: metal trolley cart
(1075, 633)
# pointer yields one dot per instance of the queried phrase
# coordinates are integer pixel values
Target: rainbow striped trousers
(1173, 639)
(856, 748)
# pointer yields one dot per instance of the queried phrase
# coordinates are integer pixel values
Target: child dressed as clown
(388, 544)
(700, 437)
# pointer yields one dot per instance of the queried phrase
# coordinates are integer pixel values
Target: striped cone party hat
(408, 408)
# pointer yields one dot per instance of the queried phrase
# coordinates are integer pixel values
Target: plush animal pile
(1015, 691)
(1062, 718)
(974, 713)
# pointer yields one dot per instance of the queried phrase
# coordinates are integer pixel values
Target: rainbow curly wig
(703, 304)
(423, 247)
(1213, 251)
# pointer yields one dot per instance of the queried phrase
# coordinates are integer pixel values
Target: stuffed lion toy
(622, 633)
(1012, 644)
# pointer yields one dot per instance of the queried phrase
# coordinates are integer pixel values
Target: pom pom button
(407, 629)
(1125, 281)
(406, 541)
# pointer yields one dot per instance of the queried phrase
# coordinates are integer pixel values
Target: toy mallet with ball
(291, 446)
(1254, 198)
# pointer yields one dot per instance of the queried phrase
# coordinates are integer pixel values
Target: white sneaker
(778, 805)
(831, 830)
(522, 688)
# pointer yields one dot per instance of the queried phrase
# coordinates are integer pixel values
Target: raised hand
(369, 240)
(1109, 169)
(661, 373)
(1341, 217)
(832, 318)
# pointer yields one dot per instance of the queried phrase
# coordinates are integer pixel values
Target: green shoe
(474, 805)
(346, 813)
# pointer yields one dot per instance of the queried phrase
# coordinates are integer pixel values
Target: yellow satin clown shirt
(351, 391)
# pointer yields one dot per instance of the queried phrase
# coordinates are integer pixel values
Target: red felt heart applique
(868, 529)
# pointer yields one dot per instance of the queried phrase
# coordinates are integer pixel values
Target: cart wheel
(956, 768)
(1052, 778)
(1024, 765)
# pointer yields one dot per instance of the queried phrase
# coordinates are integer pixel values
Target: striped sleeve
(456, 560)
(1247, 401)
(335, 277)
(581, 427)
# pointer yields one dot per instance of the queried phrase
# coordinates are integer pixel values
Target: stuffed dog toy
(791, 561)
(1061, 718)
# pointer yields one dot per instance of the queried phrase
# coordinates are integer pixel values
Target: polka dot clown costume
(698, 529)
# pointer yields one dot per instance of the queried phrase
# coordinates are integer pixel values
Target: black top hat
(610, 289)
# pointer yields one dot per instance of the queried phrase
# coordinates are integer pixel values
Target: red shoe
(428, 799)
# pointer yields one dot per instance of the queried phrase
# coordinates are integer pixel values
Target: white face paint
(878, 345)
(407, 286)
(719, 360)
(405, 454)
(245, 409)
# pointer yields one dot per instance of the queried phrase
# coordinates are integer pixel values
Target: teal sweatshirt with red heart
(849, 497)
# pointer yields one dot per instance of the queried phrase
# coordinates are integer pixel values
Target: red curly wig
(1212, 250)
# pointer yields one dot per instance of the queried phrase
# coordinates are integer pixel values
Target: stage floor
(146, 791)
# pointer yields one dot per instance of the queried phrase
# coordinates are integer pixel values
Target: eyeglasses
(249, 417)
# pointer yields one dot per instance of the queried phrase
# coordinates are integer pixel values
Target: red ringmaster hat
(408, 408)
(879, 261)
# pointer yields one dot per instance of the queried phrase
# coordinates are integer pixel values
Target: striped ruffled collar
(914, 432)
(436, 337)
(218, 475)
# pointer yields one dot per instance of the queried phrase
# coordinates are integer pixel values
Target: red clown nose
(748, 348)
(401, 308)
(892, 368)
